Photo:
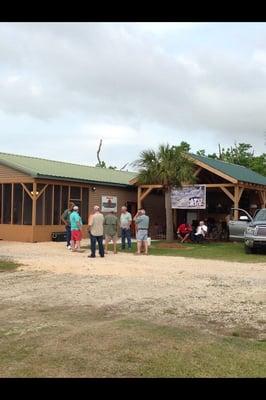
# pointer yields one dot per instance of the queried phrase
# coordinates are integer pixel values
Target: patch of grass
(227, 251)
(81, 342)
(7, 265)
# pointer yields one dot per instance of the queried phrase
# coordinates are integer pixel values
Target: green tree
(241, 154)
(169, 166)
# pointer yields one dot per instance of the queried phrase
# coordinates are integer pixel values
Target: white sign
(109, 203)
(189, 197)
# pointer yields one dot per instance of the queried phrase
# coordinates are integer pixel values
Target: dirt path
(206, 293)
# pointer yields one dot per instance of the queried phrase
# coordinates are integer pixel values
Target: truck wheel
(249, 250)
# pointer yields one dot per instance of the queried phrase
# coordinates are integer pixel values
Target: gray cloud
(124, 75)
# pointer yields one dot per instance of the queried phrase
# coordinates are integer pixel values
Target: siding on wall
(123, 195)
(18, 233)
(8, 174)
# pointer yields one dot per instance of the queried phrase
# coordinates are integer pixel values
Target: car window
(261, 215)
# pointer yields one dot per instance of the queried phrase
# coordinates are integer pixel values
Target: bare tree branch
(98, 152)
(124, 166)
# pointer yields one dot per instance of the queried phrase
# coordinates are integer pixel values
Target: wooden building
(227, 185)
(34, 192)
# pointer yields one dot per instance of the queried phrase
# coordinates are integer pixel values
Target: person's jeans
(198, 238)
(68, 234)
(126, 234)
(99, 240)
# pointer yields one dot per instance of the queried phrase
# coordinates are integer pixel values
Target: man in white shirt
(201, 232)
(125, 222)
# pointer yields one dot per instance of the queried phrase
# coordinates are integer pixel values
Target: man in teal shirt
(76, 225)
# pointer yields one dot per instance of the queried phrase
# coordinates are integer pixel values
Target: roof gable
(238, 172)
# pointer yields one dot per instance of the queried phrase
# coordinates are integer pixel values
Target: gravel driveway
(212, 295)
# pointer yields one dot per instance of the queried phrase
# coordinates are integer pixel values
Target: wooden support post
(22, 214)
(68, 197)
(262, 196)
(53, 205)
(43, 208)
(139, 197)
(145, 194)
(2, 204)
(41, 192)
(34, 200)
(236, 197)
(27, 190)
(60, 202)
(241, 190)
(12, 203)
(229, 194)
(197, 172)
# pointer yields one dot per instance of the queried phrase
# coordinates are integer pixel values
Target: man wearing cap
(76, 225)
(65, 217)
(95, 229)
(110, 230)
(142, 225)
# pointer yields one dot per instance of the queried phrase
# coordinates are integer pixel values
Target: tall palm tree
(168, 166)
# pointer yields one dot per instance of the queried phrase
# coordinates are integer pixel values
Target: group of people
(106, 227)
(195, 233)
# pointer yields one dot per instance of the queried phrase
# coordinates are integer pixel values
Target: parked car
(252, 230)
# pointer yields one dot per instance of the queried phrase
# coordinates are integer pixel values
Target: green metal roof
(238, 172)
(42, 168)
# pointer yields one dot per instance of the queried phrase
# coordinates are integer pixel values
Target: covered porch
(224, 190)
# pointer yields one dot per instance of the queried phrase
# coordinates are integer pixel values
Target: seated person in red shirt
(183, 232)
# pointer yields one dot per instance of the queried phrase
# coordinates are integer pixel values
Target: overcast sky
(64, 86)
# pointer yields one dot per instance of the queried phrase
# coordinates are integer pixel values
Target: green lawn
(7, 265)
(82, 342)
(226, 251)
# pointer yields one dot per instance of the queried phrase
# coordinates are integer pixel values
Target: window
(75, 193)
(64, 202)
(7, 190)
(48, 205)
(84, 205)
(57, 211)
(17, 204)
(27, 212)
(39, 210)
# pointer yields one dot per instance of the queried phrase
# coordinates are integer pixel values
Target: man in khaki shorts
(110, 227)
(142, 225)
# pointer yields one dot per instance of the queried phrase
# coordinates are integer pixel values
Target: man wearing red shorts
(76, 225)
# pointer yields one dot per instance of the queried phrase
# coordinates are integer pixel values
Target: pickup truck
(251, 230)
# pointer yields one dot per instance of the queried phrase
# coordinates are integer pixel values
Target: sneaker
(69, 247)
(91, 256)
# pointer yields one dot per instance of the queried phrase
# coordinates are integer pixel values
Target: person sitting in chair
(201, 232)
(183, 232)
